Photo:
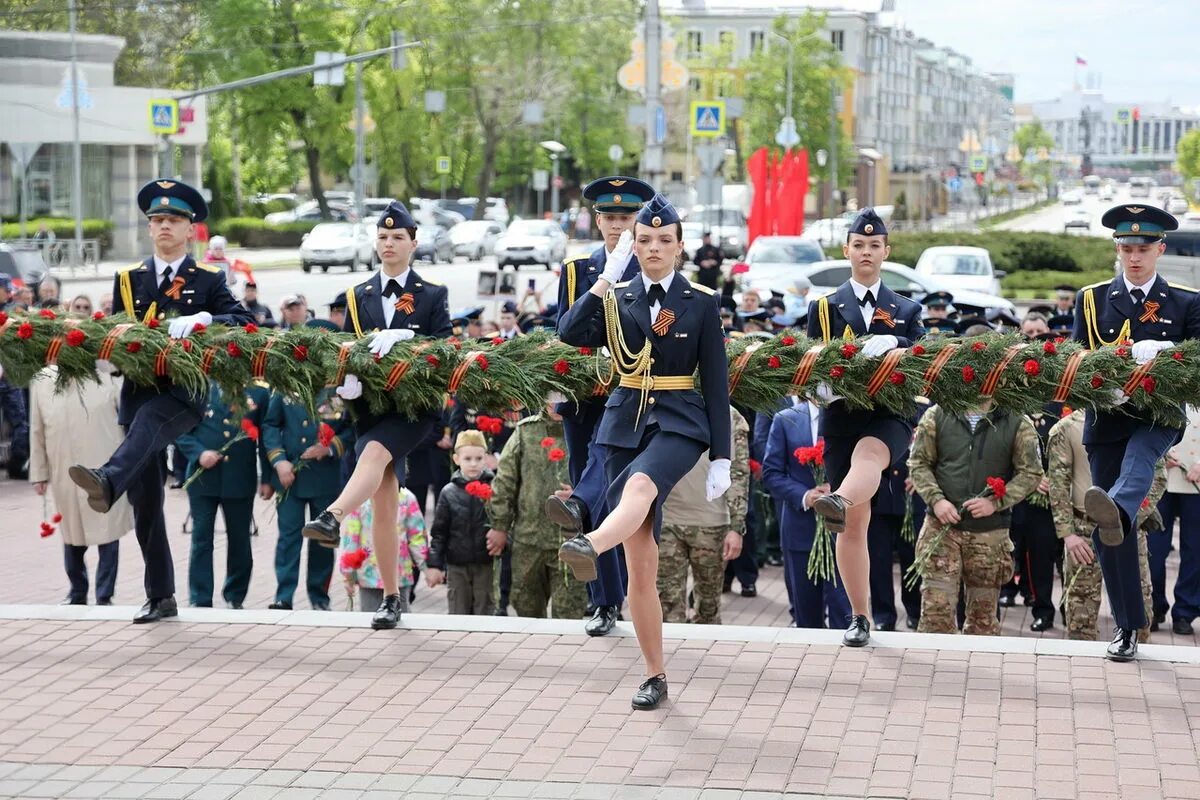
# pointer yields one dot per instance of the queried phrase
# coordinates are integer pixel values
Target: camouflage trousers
(684, 546)
(982, 562)
(1082, 585)
(538, 579)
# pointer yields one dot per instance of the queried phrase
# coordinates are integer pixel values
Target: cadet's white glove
(825, 393)
(1119, 396)
(105, 367)
(351, 388)
(618, 259)
(718, 481)
(556, 398)
(1147, 349)
(382, 342)
(182, 327)
(878, 345)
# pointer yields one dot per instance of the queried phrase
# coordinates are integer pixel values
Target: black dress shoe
(176, 485)
(73, 601)
(1160, 617)
(1154, 625)
(1100, 509)
(105, 602)
(912, 622)
(501, 611)
(96, 484)
(569, 514)
(890, 626)
(280, 605)
(859, 632)
(1008, 600)
(602, 621)
(154, 610)
(324, 530)
(388, 614)
(774, 561)
(236, 606)
(833, 508)
(1181, 627)
(580, 556)
(650, 693)
(749, 590)
(1040, 624)
(319, 606)
(1124, 645)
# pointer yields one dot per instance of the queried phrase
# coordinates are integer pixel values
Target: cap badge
(1134, 209)
(1135, 227)
(656, 222)
(868, 228)
(388, 222)
(164, 201)
(616, 198)
(165, 184)
(616, 183)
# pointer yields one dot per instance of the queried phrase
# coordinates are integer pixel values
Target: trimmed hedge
(1040, 285)
(1012, 251)
(63, 229)
(253, 232)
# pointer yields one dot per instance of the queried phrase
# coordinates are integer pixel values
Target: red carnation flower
(1148, 384)
(250, 327)
(250, 429)
(497, 340)
(47, 530)
(479, 489)
(1177, 355)
(3, 317)
(1059, 339)
(968, 374)
(47, 314)
(979, 346)
(1033, 368)
(186, 344)
(1066, 412)
(433, 361)
(556, 454)
(153, 323)
(300, 353)
(585, 351)
(482, 361)
(562, 367)
(99, 315)
(1097, 381)
(1050, 349)
(837, 371)
(849, 350)
(57, 518)
(24, 331)
(199, 327)
(755, 468)
(897, 378)
(918, 350)
(133, 347)
(325, 434)
(75, 337)
(1122, 352)
(998, 487)
(548, 441)
(774, 363)
(788, 341)
(233, 350)
(354, 559)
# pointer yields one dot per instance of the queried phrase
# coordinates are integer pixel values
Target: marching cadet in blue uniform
(307, 475)
(168, 284)
(1139, 306)
(861, 445)
(659, 329)
(227, 480)
(393, 305)
(616, 201)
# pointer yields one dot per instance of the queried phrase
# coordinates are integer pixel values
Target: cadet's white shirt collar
(665, 283)
(160, 266)
(860, 290)
(401, 279)
(1145, 287)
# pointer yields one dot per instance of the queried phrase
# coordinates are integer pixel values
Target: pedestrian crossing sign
(443, 165)
(708, 118)
(164, 117)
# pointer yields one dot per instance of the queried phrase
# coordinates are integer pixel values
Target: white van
(961, 268)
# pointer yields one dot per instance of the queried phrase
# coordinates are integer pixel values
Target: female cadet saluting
(659, 329)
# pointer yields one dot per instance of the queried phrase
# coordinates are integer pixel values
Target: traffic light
(399, 57)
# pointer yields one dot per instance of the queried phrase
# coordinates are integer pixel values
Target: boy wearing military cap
(337, 311)
(937, 305)
(1139, 306)
(1064, 299)
(860, 445)
(616, 201)
(169, 284)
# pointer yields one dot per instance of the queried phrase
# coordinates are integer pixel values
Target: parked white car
(475, 238)
(829, 232)
(338, 243)
(531, 241)
(959, 268)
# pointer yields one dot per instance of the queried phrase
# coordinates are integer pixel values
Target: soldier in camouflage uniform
(703, 535)
(1070, 477)
(533, 466)
(952, 457)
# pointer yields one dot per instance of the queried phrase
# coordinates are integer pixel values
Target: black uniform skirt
(661, 456)
(894, 432)
(399, 434)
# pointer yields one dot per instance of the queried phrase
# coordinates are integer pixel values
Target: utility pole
(833, 148)
(235, 158)
(359, 149)
(652, 158)
(76, 149)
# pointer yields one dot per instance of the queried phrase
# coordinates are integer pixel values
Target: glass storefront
(50, 180)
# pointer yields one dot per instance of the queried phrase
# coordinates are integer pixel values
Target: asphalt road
(1053, 219)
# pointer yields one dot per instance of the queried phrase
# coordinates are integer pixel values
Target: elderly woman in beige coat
(77, 426)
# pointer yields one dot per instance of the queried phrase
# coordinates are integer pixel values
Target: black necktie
(656, 294)
(867, 298)
(393, 288)
(1138, 296)
(165, 283)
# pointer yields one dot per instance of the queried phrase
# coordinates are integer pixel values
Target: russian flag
(1080, 61)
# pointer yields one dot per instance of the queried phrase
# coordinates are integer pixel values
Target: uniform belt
(659, 383)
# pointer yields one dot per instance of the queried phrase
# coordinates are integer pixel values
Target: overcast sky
(1148, 51)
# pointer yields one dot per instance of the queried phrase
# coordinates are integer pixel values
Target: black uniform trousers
(884, 544)
(1035, 550)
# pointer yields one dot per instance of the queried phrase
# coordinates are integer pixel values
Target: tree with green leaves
(1188, 158)
(1029, 139)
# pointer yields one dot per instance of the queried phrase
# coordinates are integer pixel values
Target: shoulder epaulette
(207, 267)
(1096, 285)
(699, 287)
(622, 284)
(579, 262)
(1181, 286)
(131, 267)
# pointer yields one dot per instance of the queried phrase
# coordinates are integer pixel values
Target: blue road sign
(708, 118)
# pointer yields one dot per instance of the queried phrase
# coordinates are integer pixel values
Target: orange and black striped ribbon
(460, 372)
(406, 303)
(739, 364)
(343, 354)
(884, 370)
(161, 364)
(808, 362)
(1151, 312)
(1135, 380)
(884, 317)
(206, 360)
(176, 289)
(258, 366)
(935, 368)
(666, 318)
(52, 350)
(396, 374)
(993, 379)
(110, 340)
(1063, 390)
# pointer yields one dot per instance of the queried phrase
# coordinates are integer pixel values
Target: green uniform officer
(306, 473)
(227, 480)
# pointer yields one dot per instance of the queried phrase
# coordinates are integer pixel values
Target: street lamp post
(556, 149)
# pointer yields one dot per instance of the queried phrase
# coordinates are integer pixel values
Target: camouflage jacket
(687, 504)
(525, 478)
(1026, 463)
